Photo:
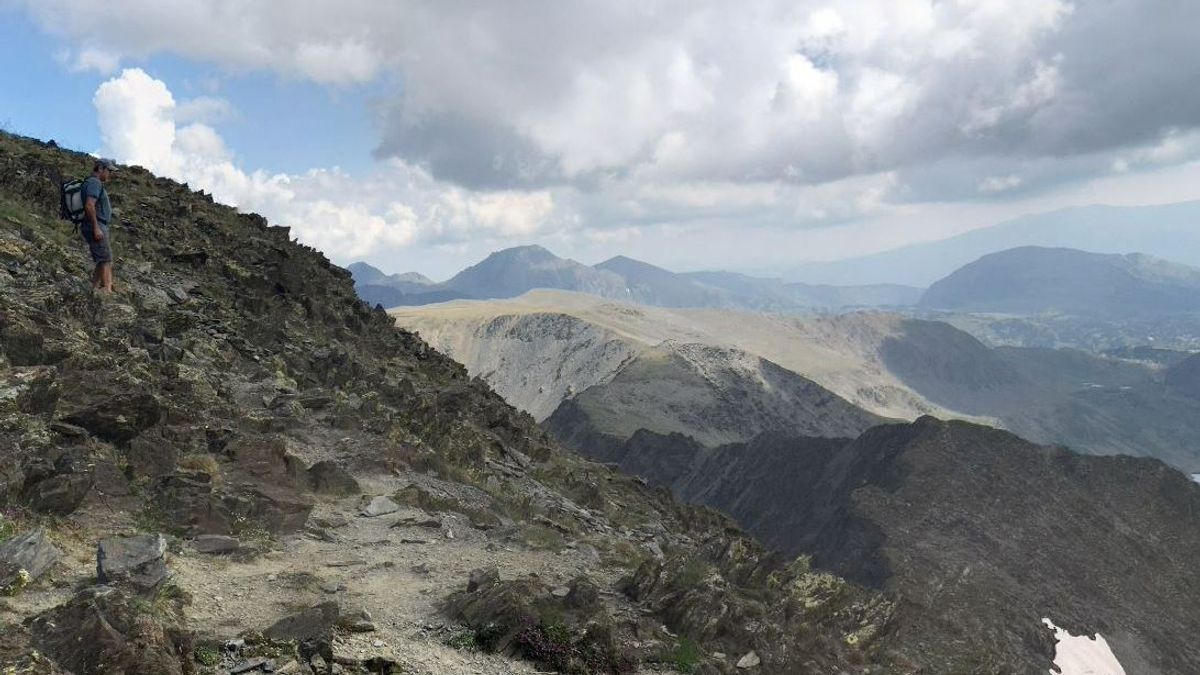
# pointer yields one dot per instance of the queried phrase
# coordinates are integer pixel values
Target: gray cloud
(769, 114)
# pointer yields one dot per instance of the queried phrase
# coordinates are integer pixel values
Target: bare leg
(106, 280)
(96, 278)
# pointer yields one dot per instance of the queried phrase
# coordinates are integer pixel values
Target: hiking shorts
(101, 250)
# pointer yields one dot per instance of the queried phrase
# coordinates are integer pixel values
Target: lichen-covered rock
(31, 553)
(30, 390)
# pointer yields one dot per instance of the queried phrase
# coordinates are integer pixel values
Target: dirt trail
(398, 567)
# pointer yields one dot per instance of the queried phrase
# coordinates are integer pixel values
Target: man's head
(104, 169)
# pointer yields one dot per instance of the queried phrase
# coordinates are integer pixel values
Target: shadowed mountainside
(973, 527)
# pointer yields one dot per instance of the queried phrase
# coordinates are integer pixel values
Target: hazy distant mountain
(775, 294)
(1033, 280)
(513, 271)
(652, 285)
(545, 348)
(395, 290)
(1168, 231)
(369, 275)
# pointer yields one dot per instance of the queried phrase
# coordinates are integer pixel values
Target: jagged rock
(216, 544)
(68, 430)
(278, 509)
(257, 663)
(356, 620)
(119, 418)
(186, 500)
(749, 660)
(102, 630)
(315, 623)
(138, 561)
(327, 477)
(379, 506)
(482, 578)
(582, 594)
(32, 552)
(30, 390)
(151, 454)
(60, 494)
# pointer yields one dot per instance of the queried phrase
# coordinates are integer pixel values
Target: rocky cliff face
(979, 532)
(711, 394)
(374, 504)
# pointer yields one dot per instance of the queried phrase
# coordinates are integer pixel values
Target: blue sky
(749, 136)
(277, 124)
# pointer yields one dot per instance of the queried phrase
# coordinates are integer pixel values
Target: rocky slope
(982, 534)
(838, 352)
(234, 465)
(1032, 280)
(711, 394)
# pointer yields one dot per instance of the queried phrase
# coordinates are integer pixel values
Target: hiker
(94, 228)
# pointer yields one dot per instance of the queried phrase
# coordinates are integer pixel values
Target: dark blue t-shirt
(94, 189)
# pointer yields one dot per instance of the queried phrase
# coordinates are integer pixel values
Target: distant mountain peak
(527, 253)
(1037, 279)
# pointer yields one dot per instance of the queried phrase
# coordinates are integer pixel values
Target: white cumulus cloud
(348, 217)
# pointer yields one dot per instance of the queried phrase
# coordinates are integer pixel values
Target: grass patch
(541, 537)
(692, 573)
(201, 462)
(685, 656)
(461, 638)
(207, 655)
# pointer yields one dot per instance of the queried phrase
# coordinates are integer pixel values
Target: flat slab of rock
(216, 544)
(316, 622)
(750, 660)
(379, 506)
(31, 551)
(138, 561)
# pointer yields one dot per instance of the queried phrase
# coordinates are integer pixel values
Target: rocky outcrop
(120, 636)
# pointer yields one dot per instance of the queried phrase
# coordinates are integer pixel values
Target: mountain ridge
(1035, 280)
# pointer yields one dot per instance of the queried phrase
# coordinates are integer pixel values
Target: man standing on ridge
(97, 212)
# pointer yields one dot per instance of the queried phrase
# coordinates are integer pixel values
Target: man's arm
(89, 211)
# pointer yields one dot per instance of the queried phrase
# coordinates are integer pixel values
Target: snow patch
(1082, 655)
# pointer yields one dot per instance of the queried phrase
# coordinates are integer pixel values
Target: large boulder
(106, 630)
(315, 623)
(328, 477)
(56, 486)
(188, 502)
(138, 561)
(119, 419)
(31, 553)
